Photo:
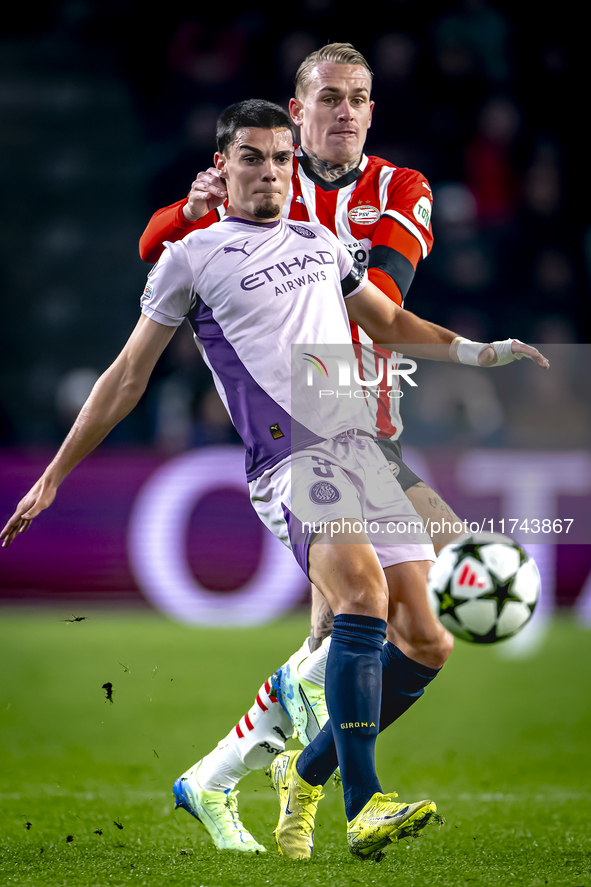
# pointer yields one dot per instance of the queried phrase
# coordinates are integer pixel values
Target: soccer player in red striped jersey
(382, 214)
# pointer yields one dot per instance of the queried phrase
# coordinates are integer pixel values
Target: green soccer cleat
(298, 802)
(382, 821)
(304, 702)
(217, 811)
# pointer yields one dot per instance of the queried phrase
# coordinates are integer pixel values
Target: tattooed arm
(442, 524)
(321, 618)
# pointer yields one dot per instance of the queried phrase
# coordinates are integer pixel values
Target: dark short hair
(250, 113)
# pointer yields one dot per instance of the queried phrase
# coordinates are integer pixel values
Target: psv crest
(364, 214)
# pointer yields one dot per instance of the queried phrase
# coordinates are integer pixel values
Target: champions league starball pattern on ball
(484, 588)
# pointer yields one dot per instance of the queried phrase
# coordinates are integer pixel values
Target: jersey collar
(252, 222)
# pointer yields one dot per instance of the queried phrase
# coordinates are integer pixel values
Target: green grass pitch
(502, 746)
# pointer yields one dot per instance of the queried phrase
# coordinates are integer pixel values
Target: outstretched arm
(388, 324)
(114, 396)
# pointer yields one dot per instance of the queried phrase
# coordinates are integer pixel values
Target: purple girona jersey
(265, 301)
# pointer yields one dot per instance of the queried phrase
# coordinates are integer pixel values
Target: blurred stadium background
(107, 113)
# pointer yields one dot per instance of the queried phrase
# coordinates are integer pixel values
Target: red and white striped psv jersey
(372, 211)
(353, 209)
(381, 213)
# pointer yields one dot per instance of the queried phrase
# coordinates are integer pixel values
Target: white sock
(250, 745)
(313, 668)
(262, 732)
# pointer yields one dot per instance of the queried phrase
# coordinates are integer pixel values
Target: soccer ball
(484, 587)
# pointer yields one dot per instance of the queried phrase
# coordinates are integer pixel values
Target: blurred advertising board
(180, 534)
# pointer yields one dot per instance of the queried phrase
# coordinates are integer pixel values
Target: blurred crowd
(107, 113)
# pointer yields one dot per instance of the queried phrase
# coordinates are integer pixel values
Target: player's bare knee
(440, 648)
(445, 646)
(364, 597)
(430, 645)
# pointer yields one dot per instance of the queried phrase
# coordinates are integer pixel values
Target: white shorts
(347, 477)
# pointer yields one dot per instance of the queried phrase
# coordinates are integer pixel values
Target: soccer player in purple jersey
(381, 213)
(204, 278)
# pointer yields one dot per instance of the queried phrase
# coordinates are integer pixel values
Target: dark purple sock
(353, 683)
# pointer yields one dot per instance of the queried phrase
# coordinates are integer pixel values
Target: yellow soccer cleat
(298, 802)
(383, 821)
(218, 811)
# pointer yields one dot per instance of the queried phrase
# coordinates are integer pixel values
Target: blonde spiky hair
(339, 53)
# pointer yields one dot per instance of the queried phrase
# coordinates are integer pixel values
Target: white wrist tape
(468, 352)
(504, 353)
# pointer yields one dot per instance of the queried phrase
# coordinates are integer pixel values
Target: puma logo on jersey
(234, 249)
